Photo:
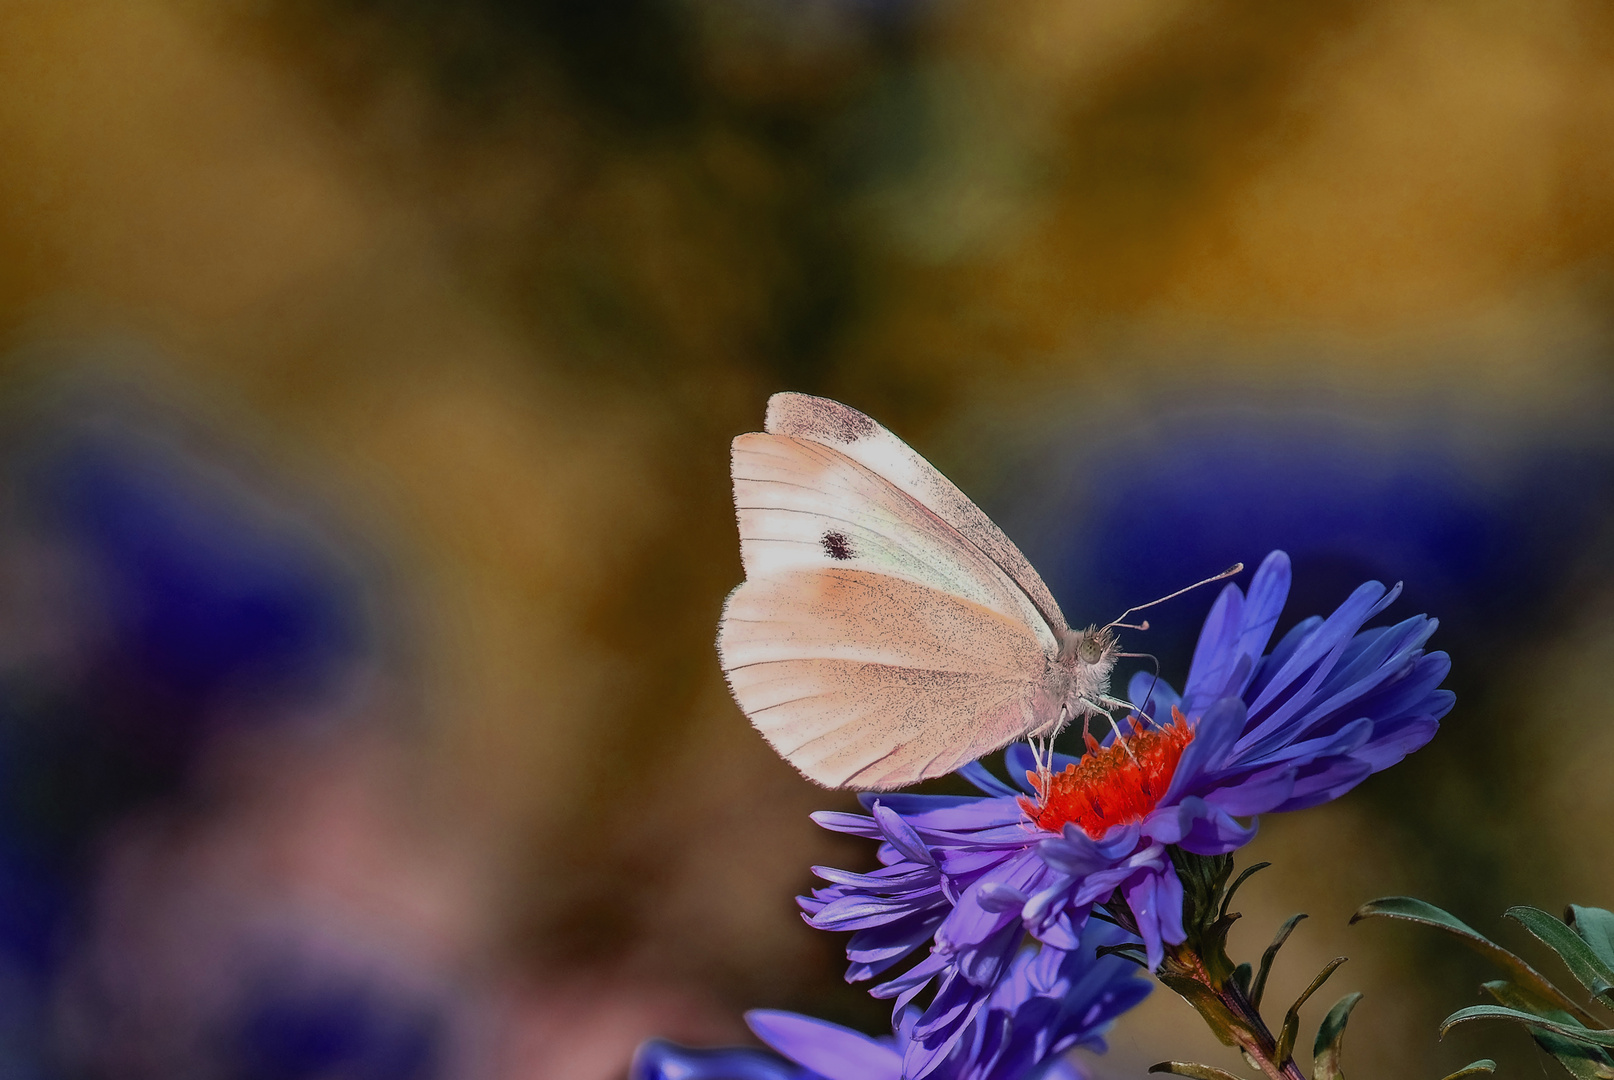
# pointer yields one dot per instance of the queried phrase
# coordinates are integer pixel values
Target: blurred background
(369, 369)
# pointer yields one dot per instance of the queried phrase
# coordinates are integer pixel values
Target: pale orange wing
(864, 679)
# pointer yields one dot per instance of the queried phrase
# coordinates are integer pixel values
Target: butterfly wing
(861, 679)
(862, 439)
(872, 643)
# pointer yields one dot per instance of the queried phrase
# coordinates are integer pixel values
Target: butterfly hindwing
(869, 680)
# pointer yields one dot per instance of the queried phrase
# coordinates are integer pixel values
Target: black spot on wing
(837, 546)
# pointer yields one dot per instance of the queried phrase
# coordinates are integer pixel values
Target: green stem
(1228, 1011)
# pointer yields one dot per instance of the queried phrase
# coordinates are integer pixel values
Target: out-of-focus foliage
(1563, 1024)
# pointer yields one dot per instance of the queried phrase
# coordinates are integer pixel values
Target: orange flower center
(1112, 784)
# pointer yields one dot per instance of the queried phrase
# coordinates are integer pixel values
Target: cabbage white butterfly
(887, 631)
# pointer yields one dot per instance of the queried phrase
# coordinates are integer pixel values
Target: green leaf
(1596, 928)
(1259, 987)
(1582, 1061)
(1188, 1068)
(1579, 1060)
(1127, 950)
(1418, 911)
(1515, 996)
(1592, 1036)
(1483, 1065)
(1291, 1019)
(1241, 979)
(1227, 898)
(1577, 956)
(1325, 1049)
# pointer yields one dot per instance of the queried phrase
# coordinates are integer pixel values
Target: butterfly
(887, 631)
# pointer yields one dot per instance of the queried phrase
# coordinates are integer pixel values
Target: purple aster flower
(1252, 732)
(1048, 1002)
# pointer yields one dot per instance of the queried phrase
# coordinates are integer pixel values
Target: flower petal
(900, 835)
(1256, 793)
(1328, 781)
(1214, 653)
(1152, 696)
(830, 1050)
(1213, 831)
(855, 824)
(1215, 735)
(658, 1059)
(977, 774)
(1389, 747)
(1269, 588)
(1143, 897)
(1313, 661)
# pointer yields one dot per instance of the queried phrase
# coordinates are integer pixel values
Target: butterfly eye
(1091, 648)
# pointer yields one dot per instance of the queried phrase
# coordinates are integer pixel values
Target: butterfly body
(887, 631)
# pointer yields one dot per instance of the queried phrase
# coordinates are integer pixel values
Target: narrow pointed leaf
(1259, 987)
(1571, 948)
(1579, 1060)
(1483, 1065)
(1418, 911)
(1515, 996)
(1594, 1036)
(1291, 1019)
(1325, 1050)
(1241, 979)
(1596, 928)
(1127, 950)
(1188, 1068)
(1227, 898)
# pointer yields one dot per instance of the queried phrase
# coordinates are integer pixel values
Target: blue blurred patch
(1483, 541)
(205, 592)
(341, 1032)
(194, 599)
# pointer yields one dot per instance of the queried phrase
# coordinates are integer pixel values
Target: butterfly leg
(1042, 750)
(1100, 708)
(1039, 754)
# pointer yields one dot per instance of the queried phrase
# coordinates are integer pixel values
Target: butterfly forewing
(801, 504)
(871, 445)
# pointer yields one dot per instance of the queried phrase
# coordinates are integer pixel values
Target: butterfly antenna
(1236, 568)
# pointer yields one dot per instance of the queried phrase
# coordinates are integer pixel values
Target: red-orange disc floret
(1112, 784)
